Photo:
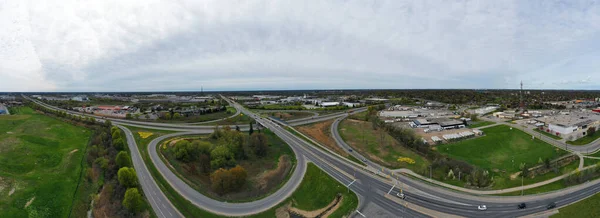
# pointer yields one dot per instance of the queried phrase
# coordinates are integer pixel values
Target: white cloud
(260, 44)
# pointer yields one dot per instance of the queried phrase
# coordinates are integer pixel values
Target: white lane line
(351, 183)
(391, 189)
(359, 213)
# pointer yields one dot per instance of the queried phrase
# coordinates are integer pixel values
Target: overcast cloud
(151, 45)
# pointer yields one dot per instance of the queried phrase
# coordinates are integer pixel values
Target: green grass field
(548, 134)
(589, 207)
(499, 147)
(379, 146)
(480, 124)
(40, 160)
(585, 140)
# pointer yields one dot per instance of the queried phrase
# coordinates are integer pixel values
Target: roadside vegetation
(230, 165)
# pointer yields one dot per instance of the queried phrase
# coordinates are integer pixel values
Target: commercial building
(485, 110)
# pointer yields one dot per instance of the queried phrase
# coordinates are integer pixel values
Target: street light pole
(522, 176)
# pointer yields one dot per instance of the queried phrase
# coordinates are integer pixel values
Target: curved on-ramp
(224, 208)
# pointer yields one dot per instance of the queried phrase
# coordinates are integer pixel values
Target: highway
(371, 188)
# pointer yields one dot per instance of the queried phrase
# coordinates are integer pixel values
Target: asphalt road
(157, 199)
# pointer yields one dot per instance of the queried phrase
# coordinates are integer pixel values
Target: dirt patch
(323, 212)
(282, 212)
(73, 151)
(29, 202)
(12, 191)
(321, 133)
(273, 177)
(2, 185)
(514, 175)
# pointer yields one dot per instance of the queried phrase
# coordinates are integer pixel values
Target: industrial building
(485, 110)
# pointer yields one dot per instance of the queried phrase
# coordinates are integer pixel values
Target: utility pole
(430, 171)
(522, 176)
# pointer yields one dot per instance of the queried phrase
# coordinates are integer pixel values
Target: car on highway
(551, 205)
(522, 206)
(401, 195)
(481, 207)
(350, 150)
(364, 159)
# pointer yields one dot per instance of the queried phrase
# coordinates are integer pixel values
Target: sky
(183, 45)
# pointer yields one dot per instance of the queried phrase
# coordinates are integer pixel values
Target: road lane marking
(359, 213)
(351, 183)
(391, 189)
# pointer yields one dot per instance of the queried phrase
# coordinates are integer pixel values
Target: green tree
(259, 143)
(122, 159)
(119, 144)
(186, 151)
(167, 116)
(127, 177)
(251, 129)
(525, 171)
(221, 157)
(176, 116)
(591, 131)
(102, 163)
(133, 200)
(128, 116)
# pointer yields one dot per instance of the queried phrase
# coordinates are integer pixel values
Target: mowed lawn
(39, 164)
(590, 207)
(498, 147)
(379, 146)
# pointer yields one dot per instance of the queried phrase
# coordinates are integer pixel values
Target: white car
(481, 207)
(400, 195)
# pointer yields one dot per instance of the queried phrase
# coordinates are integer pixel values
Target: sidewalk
(487, 192)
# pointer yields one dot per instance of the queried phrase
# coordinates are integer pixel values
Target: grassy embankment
(320, 132)
(502, 151)
(190, 210)
(40, 164)
(589, 207)
(585, 140)
(379, 146)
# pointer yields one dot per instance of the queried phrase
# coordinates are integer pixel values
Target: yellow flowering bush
(145, 134)
(406, 160)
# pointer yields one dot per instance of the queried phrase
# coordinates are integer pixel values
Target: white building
(485, 110)
(562, 129)
(329, 104)
(350, 104)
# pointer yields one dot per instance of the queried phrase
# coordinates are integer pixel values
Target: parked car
(522, 206)
(551, 205)
(482, 207)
